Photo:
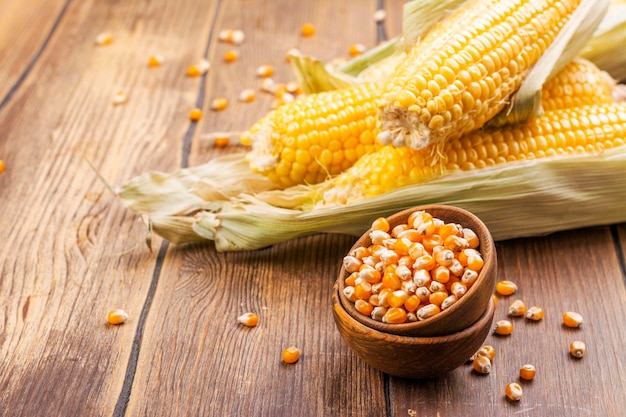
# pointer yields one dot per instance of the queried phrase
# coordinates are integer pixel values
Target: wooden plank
(70, 251)
(205, 362)
(25, 28)
(576, 270)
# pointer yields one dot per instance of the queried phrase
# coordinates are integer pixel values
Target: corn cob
(321, 135)
(464, 71)
(577, 130)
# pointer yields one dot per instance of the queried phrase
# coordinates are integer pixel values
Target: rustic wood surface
(69, 251)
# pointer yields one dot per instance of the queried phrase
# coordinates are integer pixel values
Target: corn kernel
(234, 36)
(195, 114)
(577, 349)
(517, 308)
(527, 372)
(379, 15)
(221, 141)
(427, 311)
(247, 95)
(265, 71)
(482, 364)
(193, 71)
(2, 166)
(506, 287)
(155, 60)
(231, 56)
(120, 98)
(572, 319)
(307, 30)
(117, 316)
(248, 319)
(513, 391)
(356, 49)
(534, 313)
(103, 39)
(291, 355)
(219, 104)
(503, 327)
(486, 350)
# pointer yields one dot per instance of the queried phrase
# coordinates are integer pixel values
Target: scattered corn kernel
(221, 141)
(291, 52)
(307, 30)
(513, 391)
(506, 287)
(195, 115)
(117, 316)
(247, 95)
(264, 71)
(231, 56)
(356, 49)
(234, 36)
(487, 350)
(517, 308)
(193, 71)
(103, 39)
(219, 104)
(379, 15)
(572, 319)
(534, 313)
(503, 327)
(2, 166)
(293, 87)
(291, 355)
(248, 319)
(120, 98)
(577, 349)
(155, 60)
(527, 372)
(482, 364)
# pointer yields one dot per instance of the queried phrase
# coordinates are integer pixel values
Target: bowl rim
(487, 245)
(486, 318)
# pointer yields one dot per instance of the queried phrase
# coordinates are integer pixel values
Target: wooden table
(70, 251)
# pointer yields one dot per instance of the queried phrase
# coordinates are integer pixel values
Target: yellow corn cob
(320, 135)
(464, 71)
(588, 129)
(580, 83)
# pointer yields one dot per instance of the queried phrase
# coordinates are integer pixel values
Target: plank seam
(16, 85)
(133, 360)
(619, 249)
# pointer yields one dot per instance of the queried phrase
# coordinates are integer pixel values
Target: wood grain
(70, 252)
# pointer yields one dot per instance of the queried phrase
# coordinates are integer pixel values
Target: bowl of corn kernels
(414, 294)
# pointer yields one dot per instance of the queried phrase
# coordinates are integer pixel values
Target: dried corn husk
(523, 199)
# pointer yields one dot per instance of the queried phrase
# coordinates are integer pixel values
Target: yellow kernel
(155, 60)
(247, 95)
(248, 319)
(506, 287)
(231, 56)
(364, 307)
(356, 49)
(120, 98)
(307, 30)
(534, 313)
(488, 351)
(193, 71)
(572, 319)
(527, 372)
(503, 327)
(195, 114)
(221, 141)
(2, 166)
(427, 311)
(381, 223)
(219, 104)
(103, 39)
(395, 315)
(513, 391)
(117, 316)
(291, 355)
(517, 308)
(265, 71)
(482, 364)
(577, 349)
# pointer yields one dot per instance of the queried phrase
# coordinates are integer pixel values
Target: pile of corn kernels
(412, 271)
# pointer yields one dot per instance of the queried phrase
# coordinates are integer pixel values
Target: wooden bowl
(409, 356)
(462, 314)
